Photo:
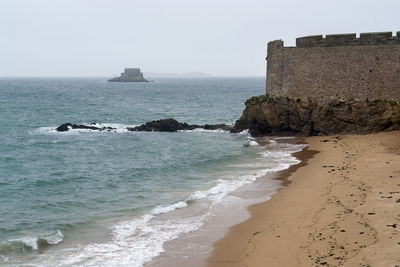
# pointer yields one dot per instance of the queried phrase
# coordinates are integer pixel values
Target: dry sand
(341, 209)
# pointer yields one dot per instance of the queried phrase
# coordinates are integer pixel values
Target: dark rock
(164, 125)
(130, 75)
(172, 125)
(265, 115)
(64, 127)
(217, 127)
(67, 126)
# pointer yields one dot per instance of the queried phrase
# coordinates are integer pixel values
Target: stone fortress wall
(132, 71)
(130, 75)
(339, 66)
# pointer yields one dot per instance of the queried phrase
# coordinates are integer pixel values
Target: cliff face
(264, 115)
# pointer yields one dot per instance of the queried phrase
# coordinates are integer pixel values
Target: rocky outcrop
(130, 75)
(172, 125)
(68, 126)
(164, 125)
(264, 115)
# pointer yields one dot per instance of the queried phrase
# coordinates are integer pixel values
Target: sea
(116, 198)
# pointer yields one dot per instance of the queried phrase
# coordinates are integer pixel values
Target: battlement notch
(349, 39)
(339, 66)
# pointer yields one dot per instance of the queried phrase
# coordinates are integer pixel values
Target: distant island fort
(335, 85)
(339, 66)
(130, 75)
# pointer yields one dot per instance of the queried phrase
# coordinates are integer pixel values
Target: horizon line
(100, 76)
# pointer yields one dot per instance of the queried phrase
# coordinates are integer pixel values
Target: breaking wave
(136, 242)
(25, 244)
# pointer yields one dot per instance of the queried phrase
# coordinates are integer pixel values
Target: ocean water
(86, 198)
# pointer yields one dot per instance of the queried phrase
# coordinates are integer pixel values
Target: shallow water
(90, 198)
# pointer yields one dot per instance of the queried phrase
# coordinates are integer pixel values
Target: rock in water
(164, 125)
(130, 75)
(223, 127)
(265, 115)
(64, 127)
(172, 125)
(67, 126)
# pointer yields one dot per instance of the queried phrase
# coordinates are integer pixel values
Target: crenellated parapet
(339, 66)
(350, 39)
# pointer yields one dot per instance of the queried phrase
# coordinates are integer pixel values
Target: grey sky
(221, 37)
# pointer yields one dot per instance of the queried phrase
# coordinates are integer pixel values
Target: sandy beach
(342, 208)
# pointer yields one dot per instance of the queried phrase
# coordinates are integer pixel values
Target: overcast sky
(221, 37)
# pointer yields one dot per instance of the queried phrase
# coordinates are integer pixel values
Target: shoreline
(304, 156)
(194, 248)
(339, 209)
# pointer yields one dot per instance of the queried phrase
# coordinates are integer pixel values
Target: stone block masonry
(130, 75)
(339, 66)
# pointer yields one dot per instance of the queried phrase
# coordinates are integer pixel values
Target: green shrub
(260, 99)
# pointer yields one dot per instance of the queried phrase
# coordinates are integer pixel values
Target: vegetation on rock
(265, 115)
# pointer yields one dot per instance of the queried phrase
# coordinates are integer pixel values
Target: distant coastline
(194, 74)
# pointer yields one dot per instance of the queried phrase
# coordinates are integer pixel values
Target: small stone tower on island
(339, 66)
(130, 75)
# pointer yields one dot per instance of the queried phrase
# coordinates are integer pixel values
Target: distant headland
(130, 75)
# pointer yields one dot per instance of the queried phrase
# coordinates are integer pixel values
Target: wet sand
(194, 248)
(341, 209)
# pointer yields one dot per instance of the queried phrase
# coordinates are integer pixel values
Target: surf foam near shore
(137, 241)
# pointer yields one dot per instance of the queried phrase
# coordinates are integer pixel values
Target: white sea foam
(253, 143)
(35, 243)
(137, 241)
(204, 130)
(284, 137)
(118, 128)
(244, 133)
(165, 209)
(281, 156)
